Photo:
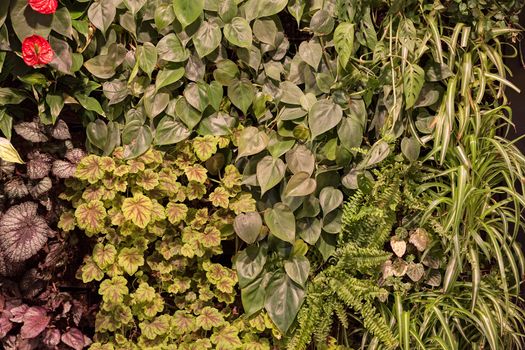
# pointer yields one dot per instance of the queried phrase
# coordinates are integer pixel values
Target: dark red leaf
(74, 338)
(35, 321)
(5, 324)
(18, 312)
(52, 337)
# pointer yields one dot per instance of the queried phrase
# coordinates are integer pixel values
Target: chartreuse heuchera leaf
(156, 237)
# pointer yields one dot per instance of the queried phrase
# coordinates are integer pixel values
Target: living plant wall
(259, 174)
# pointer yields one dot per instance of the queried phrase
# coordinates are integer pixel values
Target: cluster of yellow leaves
(158, 220)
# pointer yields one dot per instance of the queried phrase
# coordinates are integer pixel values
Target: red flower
(46, 7)
(36, 51)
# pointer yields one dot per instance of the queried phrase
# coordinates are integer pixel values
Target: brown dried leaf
(399, 267)
(434, 278)
(431, 262)
(420, 239)
(398, 245)
(415, 271)
(387, 269)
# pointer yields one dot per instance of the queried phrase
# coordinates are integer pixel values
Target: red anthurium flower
(36, 51)
(44, 6)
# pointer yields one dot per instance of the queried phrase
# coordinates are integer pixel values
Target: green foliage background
(348, 155)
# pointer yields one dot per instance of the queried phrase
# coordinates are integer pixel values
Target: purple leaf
(75, 339)
(5, 324)
(35, 321)
(52, 337)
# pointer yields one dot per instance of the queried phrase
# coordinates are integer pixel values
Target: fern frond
(356, 258)
(372, 319)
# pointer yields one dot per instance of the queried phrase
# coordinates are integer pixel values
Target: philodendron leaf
(170, 131)
(238, 32)
(410, 148)
(281, 222)
(300, 159)
(249, 263)
(309, 229)
(136, 139)
(297, 268)
(8, 152)
(283, 300)
(248, 226)
(242, 94)
(187, 11)
(270, 171)
(311, 52)
(207, 38)
(323, 116)
(252, 141)
(300, 184)
(330, 198)
(377, 153)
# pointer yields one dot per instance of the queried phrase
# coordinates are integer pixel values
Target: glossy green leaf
(330, 198)
(147, 57)
(249, 263)
(187, 11)
(252, 141)
(300, 159)
(168, 76)
(238, 32)
(270, 171)
(207, 38)
(102, 13)
(410, 148)
(170, 131)
(242, 94)
(300, 184)
(248, 226)
(344, 42)
(298, 269)
(281, 222)
(413, 80)
(323, 116)
(170, 48)
(283, 300)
